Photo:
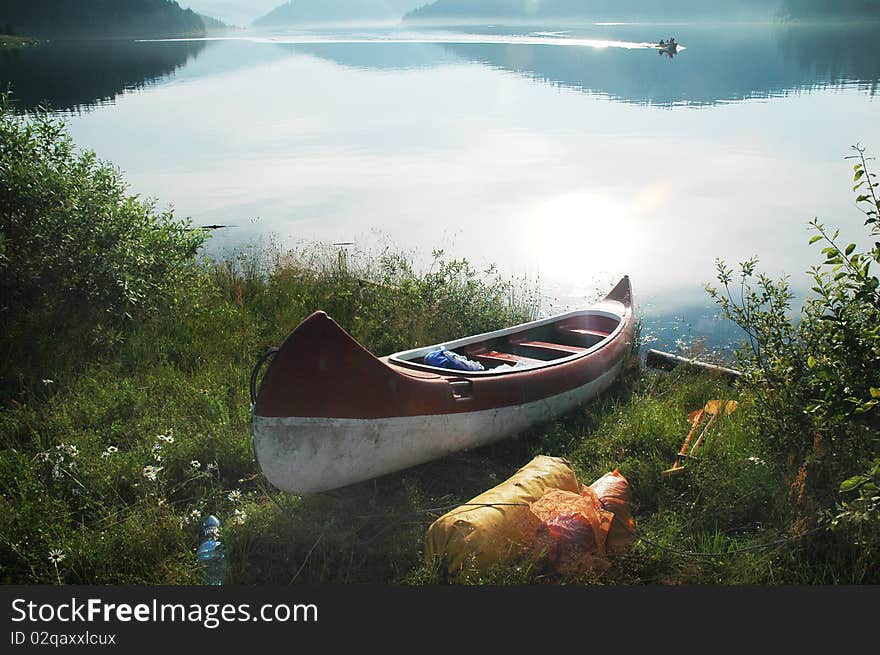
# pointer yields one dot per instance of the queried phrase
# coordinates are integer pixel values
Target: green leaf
(853, 483)
(811, 362)
(849, 249)
(815, 239)
(875, 392)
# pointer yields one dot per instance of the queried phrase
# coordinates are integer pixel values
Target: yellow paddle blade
(714, 406)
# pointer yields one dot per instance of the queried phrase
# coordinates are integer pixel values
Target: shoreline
(10, 42)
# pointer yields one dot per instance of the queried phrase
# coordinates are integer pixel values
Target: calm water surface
(570, 156)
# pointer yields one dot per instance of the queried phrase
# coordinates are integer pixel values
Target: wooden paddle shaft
(694, 424)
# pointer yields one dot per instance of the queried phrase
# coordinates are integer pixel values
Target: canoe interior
(533, 344)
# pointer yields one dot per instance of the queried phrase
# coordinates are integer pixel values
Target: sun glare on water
(577, 234)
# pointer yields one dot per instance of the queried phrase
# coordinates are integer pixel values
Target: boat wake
(538, 38)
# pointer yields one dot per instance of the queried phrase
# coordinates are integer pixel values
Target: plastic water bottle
(211, 554)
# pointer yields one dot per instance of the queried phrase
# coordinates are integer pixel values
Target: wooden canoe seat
(589, 333)
(495, 357)
(558, 348)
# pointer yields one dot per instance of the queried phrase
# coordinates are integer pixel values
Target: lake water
(567, 156)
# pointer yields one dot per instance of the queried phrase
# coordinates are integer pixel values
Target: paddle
(713, 408)
(695, 417)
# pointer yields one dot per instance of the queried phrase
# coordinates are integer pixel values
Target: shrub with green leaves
(816, 379)
(80, 258)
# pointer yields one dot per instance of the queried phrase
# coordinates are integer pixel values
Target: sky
(233, 12)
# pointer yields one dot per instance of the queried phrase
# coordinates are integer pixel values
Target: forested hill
(628, 10)
(98, 18)
(835, 9)
(540, 10)
(305, 12)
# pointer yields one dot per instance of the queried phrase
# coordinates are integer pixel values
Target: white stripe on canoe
(311, 454)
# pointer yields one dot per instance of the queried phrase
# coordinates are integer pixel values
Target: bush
(79, 258)
(815, 379)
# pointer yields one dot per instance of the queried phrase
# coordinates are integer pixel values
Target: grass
(76, 447)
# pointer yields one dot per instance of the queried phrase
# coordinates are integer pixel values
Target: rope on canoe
(256, 371)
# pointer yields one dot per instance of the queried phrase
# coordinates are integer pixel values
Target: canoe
(328, 413)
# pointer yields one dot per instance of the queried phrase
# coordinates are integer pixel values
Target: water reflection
(574, 163)
(721, 64)
(77, 75)
(838, 56)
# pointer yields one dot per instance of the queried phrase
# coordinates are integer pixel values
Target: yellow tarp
(473, 538)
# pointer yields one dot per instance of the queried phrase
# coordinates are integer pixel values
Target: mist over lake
(568, 155)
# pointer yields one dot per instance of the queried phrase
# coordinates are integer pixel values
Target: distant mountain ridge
(538, 10)
(312, 12)
(99, 18)
(629, 10)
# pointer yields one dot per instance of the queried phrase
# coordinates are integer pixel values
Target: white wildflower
(151, 472)
(239, 516)
(234, 496)
(69, 449)
(110, 450)
(167, 438)
(194, 463)
(47, 381)
(212, 466)
(757, 460)
(56, 555)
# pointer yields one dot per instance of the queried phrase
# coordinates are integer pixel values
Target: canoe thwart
(552, 347)
(496, 357)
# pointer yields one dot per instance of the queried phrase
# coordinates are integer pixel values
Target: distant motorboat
(670, 47)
